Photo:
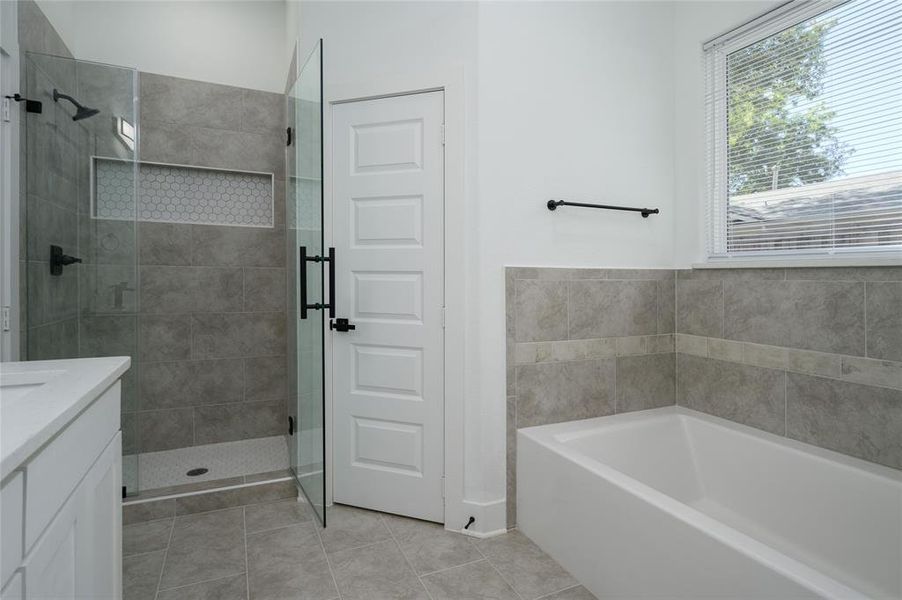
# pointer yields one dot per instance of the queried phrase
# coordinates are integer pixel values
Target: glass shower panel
(305, 238)
(84, 305)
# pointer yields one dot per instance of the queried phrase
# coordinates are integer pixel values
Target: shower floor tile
(225, 460)
(278, 550)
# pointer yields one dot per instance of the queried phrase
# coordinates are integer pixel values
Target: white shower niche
(169, 193)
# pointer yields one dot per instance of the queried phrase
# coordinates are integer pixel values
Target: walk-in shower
(176, 261)
(162, 236)
(72, 260)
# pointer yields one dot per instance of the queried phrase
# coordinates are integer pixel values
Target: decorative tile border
(569, 350)
(855, 369)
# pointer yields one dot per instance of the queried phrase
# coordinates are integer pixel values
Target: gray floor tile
(429, 547)
(146, 537)
(475, 581)
(190, 487)
(532, 572)
(574, 593)
(376, 572)
(273, 515)
(288, 563)
(351, 528)
(147, 511)
(227, 588)
(140, 575)
(205, 547)
(235, 497)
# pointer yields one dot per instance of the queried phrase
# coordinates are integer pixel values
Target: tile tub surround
(277, 550)
(209, 299)
(585, 343)
(814, 354)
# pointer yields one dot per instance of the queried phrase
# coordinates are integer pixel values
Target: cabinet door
(100, 540)
(51, 568)
(79, 555)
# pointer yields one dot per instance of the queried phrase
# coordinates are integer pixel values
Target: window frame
(715, 52)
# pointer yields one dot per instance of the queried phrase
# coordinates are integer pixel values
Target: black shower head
(81, 111)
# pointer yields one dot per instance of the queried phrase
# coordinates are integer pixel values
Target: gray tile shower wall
(211, 322)
(48, 317)
(585, 343)
(813, 354)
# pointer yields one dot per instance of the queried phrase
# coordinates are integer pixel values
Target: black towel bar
(553, 204)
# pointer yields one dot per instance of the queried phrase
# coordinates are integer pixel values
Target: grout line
(785, 399)
(187, 585)
(723, 308)
(143, 553)
(568, 310)
(322, 546)
(494, 568)
(503, 578)
(271, 529)
(165, 557)
(471, 562)
(247, 571)
(406, 559)
(865, 303)
(549, 595)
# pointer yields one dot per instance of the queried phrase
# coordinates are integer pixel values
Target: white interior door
(388, 205)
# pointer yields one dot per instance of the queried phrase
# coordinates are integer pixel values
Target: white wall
(569, 100)
(694, 24)
(367, 42)
(574, 103)
(599, 101)
(239, 42)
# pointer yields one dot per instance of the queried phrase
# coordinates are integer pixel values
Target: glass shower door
(307, 274)
(80, 257)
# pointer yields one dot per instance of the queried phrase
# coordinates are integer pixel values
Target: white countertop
(39, 398)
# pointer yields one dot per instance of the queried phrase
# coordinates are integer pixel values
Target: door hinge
(4, 318)
(32, 106)
(443, 134)
(289, 136)
(443, 486)
(444, 310)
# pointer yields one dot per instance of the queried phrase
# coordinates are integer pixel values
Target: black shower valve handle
(58, 260)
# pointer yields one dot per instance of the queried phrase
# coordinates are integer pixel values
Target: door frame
(451, 82)
(10, 204)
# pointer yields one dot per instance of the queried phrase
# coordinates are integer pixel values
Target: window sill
(881, 260)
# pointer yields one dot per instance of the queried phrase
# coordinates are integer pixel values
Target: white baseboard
(491, 519)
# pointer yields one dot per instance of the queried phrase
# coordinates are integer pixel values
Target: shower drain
(197, 471)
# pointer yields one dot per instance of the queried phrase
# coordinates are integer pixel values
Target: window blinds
(804, 129)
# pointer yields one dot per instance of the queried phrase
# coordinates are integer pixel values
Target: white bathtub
(671, 503)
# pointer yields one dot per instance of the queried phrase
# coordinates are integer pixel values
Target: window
(804, 132)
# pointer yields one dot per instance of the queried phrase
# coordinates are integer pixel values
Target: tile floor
(276, 551)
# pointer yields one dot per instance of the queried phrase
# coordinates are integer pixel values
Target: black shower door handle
(303, 259)
(331, 304)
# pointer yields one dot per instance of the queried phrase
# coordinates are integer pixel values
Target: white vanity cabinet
(61, 504)
(79, 554)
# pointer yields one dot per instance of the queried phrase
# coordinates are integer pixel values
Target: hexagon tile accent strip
(178, 194)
